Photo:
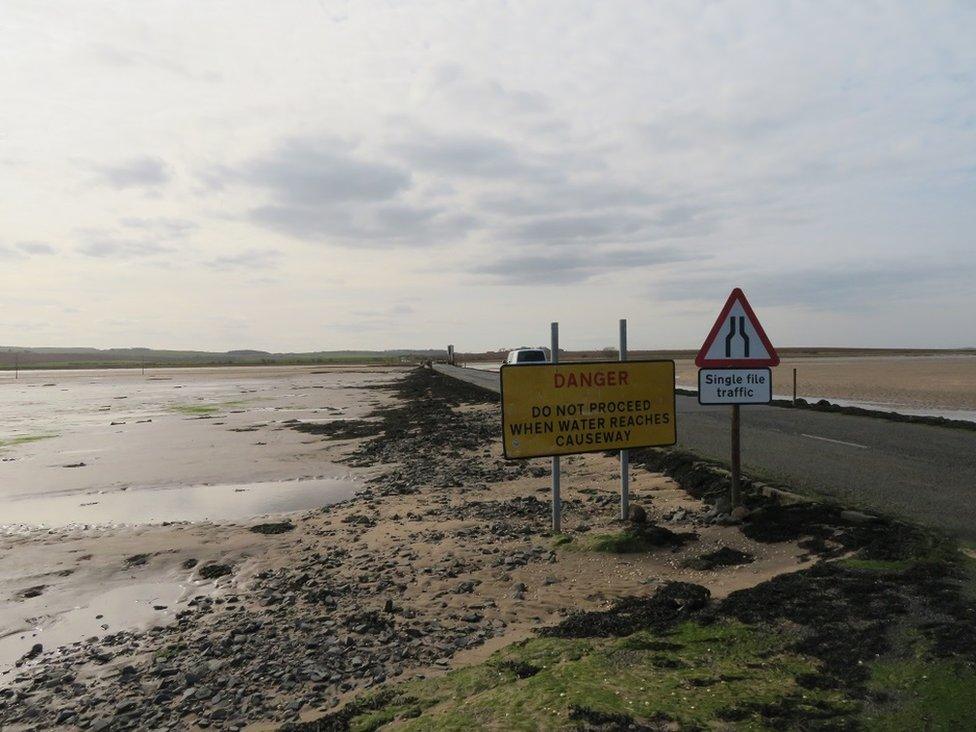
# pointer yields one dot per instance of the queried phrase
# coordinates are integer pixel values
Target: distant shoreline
(49, 359)
(797, 352)
(124, 365)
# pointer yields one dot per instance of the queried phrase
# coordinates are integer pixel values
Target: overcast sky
(320, 175)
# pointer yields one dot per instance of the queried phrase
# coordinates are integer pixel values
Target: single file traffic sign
(737, 339)
(735, 386)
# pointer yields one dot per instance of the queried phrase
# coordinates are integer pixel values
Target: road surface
(921, 472)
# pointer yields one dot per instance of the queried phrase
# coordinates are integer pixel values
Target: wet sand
(171, 439)
(940, 385)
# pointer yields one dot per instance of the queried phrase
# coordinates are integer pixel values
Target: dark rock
(724, 557)
(36, 650)
(673, 602)
(275, 528)
(213, 571)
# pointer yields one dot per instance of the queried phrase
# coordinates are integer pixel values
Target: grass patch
(561, 540)
(168, 653)
(621, 542)
(634, 540)
(877, 565)
(23, 440)
(691, 677)
(967, 567)
(923, 695)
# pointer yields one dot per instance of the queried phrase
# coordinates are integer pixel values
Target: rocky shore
(444, 557)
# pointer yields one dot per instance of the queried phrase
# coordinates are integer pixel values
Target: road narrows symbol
(742, 334)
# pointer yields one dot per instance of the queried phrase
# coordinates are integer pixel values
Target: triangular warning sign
(737, 339)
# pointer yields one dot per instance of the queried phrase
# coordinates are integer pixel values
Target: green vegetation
(692, 676)
(169, 652)
(633, 540)
(923, 694)
(202, 409)
(621, 542)
(877, 565)
(24, 439)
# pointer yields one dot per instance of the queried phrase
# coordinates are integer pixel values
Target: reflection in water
(179, 503)
(130, 606)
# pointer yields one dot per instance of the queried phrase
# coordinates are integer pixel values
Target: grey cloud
(103, 245)
(25, 249)
(488, 94)
(846, 286)
(600, 211)
(309, 173)
(565, 267)
(856, 286)
(248, 259)
(619, 226)
(472, 156)
(748, 122)
(141, 172)
(137, 238)
(36, 247)
(590, 227)
(371, 226)
(161, 226)
(405, 216)
(321, 190)
(567, 196)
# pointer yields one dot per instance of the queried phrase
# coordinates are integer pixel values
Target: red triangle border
(702, 362)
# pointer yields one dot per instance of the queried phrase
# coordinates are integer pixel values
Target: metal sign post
(624, 454)
(734, 361)
(556, 505)
(553, 409)
(736, 457)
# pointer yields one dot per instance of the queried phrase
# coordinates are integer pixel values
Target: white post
(624, 455)
(556, 501)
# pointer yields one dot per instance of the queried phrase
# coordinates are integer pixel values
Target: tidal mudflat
(101, 469)
(80, 437)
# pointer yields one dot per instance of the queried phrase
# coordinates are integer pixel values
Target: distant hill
(73, 357)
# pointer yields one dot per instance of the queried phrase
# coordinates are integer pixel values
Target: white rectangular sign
(735, 386)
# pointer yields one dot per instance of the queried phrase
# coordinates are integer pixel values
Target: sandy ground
(943, 385)
(918, 382)
(465, 570)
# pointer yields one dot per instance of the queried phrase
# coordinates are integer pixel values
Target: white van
(527, 355)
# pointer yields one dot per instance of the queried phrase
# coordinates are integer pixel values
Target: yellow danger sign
(561, 409)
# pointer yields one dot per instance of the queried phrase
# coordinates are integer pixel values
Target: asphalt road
(921, 472)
